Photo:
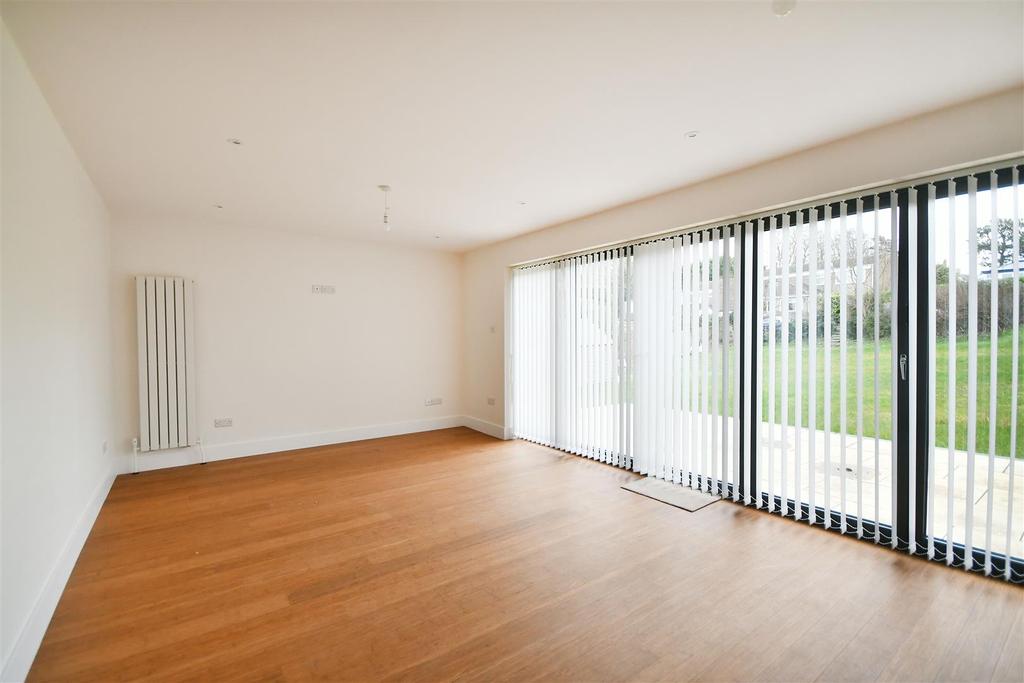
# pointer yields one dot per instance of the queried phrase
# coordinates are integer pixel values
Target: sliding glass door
(825, 356)
(974, 267)
(852, 363)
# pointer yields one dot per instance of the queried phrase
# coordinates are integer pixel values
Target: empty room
(511, 341)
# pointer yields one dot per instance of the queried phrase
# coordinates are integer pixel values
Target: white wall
(983, 128)
(55, 360)
(290, 367)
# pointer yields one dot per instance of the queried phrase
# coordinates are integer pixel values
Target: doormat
(675, 495)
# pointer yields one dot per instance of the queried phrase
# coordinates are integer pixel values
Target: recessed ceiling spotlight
(522, 203)
(691, 134)
(218, 206)
(234, 141)
(437, 237)
(782, 8)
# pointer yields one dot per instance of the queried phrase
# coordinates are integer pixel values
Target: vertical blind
(853, 363)
(972, 269)
(686, 360)
(820, 348)
(572, 335)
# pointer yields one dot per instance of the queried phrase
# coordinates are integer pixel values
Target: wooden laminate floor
(449, 554)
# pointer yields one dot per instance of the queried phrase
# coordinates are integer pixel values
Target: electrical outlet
(323, 289)
(490, 400)
(318, 289)
(223, 422)
(433, 402)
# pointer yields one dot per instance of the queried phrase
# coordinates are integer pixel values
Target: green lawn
(1003, 397)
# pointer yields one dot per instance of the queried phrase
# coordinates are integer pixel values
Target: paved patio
(865, 474)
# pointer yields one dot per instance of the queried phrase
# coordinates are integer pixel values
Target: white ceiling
(469, 109)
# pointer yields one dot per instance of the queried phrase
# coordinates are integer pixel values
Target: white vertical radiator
(167, 369)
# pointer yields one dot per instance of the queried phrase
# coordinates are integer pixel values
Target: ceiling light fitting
(691, 134)
(234, 141)
(782, 8)
(386, 189)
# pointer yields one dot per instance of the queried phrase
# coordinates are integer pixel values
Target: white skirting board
(488, 428)
(32, 631)
(239, 449)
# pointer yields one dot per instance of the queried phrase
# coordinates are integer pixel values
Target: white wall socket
(323, 289)
(432, 402)
(223, 422)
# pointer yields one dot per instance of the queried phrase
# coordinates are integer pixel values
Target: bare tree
(1004, 243)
